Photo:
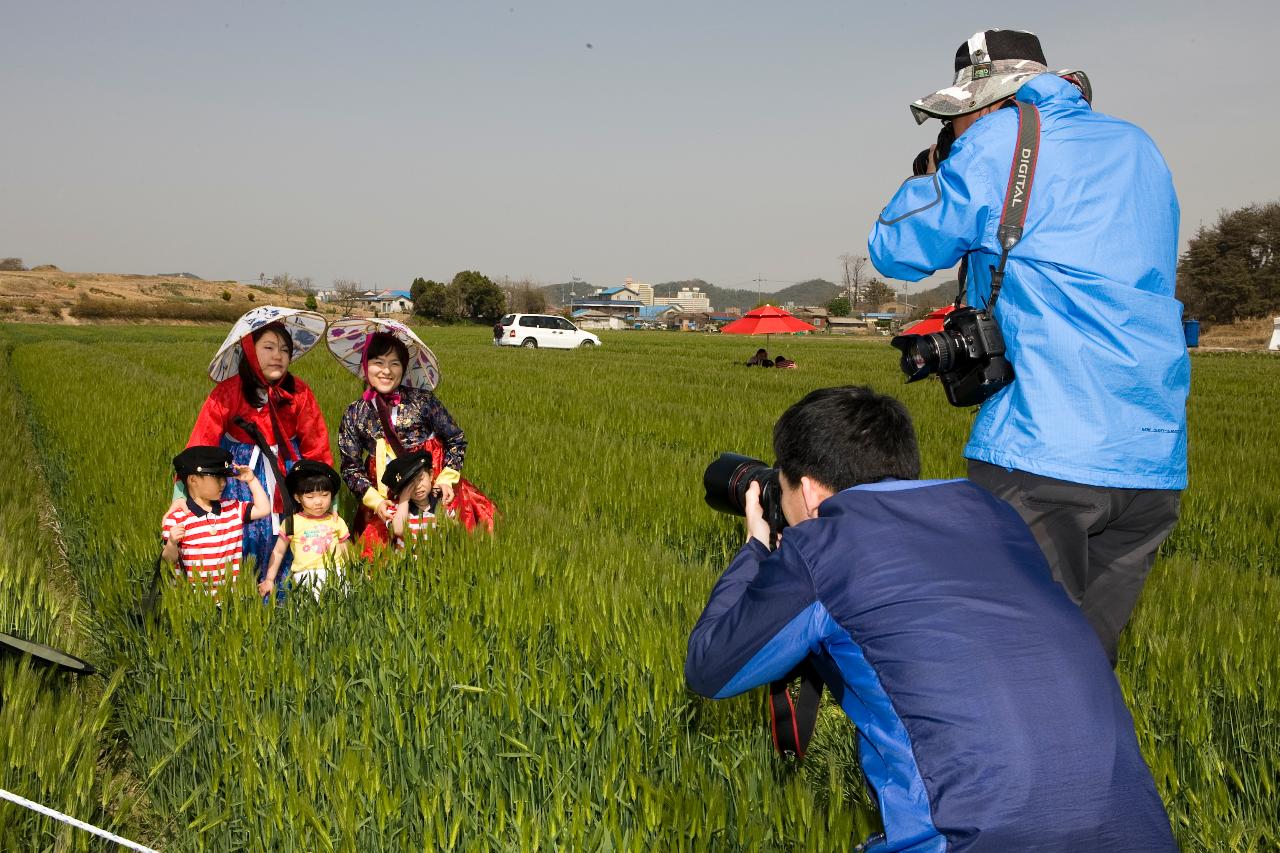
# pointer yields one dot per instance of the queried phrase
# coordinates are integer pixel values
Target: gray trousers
(1100, 542)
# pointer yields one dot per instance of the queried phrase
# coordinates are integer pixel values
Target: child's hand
(245, 474)
(265, 587)
(176, 535)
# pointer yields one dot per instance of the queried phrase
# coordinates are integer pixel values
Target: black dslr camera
(967, 355)
(727, 479)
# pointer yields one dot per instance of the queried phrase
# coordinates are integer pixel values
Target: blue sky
(382, 141)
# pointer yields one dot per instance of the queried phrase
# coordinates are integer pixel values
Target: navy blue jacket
(988, 716)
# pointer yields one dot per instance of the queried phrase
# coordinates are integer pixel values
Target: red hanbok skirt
(470, 505)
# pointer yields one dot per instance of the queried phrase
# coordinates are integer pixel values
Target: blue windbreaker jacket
(1087, 309)
(988, 716)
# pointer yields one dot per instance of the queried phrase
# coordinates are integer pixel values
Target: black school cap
(204, 459)
(403, 469)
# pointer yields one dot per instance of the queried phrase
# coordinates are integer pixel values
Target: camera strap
(792, 719)
(1021, 173)
(1016, 195)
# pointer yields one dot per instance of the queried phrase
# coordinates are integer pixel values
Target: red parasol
(766, 320)
(929, 323)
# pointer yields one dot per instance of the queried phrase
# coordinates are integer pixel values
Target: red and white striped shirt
(417, 526)
(212, 544)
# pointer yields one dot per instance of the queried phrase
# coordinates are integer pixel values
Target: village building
(687, 299)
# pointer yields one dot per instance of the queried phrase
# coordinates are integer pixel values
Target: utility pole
(758, 282)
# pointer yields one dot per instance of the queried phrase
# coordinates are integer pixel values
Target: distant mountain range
(816, 291)
(934, 297)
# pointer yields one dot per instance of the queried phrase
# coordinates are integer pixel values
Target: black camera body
(727, 479)
(968, 356)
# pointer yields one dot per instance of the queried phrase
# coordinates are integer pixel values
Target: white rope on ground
(79, 824)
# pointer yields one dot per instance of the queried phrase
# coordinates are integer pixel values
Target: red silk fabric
(470, 506)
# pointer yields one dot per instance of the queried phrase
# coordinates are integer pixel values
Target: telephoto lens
(727, 480)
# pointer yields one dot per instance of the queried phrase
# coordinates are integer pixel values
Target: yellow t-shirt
(315, 539)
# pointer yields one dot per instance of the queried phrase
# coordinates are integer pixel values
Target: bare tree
(347, 293)
(853, 269)
(526, 297)
(284, 283)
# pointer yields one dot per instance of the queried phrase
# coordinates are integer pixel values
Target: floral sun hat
(305, 327)
(348, 338)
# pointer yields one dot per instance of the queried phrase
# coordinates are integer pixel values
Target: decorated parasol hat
(305, 327)
(348, 338)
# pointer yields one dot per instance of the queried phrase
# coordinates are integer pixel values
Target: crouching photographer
(988, 716)
(1065, 225)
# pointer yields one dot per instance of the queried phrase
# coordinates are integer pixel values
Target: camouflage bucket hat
(990, 66)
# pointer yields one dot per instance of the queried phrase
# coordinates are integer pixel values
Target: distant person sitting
(760, 359)
(785, 363)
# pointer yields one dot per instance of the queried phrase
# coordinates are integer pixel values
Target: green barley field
(525, 692)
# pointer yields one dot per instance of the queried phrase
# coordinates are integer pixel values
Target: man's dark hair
(308, 483)
(843, 437)
(382, 343)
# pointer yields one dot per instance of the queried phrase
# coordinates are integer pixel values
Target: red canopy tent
(929, 323)
(766, 320)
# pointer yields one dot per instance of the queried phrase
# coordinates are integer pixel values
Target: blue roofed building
(390, 302)
(651, 313)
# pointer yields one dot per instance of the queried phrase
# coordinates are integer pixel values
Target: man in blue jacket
(1089, 442)
(988, 717)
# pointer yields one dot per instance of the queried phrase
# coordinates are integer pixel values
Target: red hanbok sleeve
(216, 413)
(312, 432)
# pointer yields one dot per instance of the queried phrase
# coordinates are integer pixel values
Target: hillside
(935, 297)
(50, 295)
(813, 292)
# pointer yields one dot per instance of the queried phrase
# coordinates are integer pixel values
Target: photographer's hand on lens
(757, 527)
(926, 162)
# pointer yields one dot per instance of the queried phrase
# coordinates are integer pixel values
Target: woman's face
(273, 356)
(385, 373)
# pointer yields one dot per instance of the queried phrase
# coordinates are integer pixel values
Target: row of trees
(859, 293)
(874, 295)
(469, 296)
(1231, 270)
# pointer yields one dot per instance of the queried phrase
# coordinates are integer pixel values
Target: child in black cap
(317, 534)
(408, 480)
(204, 536)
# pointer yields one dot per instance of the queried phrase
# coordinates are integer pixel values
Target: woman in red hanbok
(256, 393)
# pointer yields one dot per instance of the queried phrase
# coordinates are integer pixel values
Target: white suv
(540, 330)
